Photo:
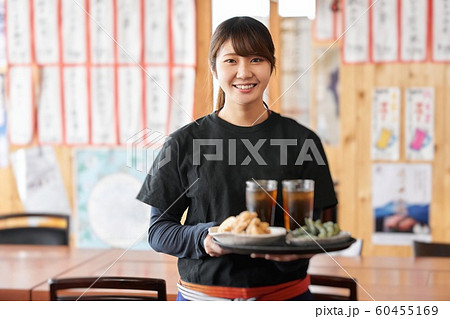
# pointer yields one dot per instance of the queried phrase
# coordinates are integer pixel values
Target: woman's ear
(214, 74)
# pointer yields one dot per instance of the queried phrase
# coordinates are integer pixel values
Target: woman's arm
(168, 236)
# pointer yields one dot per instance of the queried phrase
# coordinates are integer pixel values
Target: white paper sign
(18, 31)
(324, 28)
(296, 59)
(74, 31)
(386, 123)
(102, 106)
(76, 105)
(2, 34)
(419, 127)
(327, 95)
(356, 26)
(4, 145)
(441, 30)
(182, 104)
(129, 31)
(20, 105)
(401, 197)
(157, 98)
(102, 31)
(49, 106)
(156, 31)
(39, 181)
(130, 102)
(385, 31)
(183, 26)
(46, 31)
(414, 21)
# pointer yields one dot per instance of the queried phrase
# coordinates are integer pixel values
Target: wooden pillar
(274, 91)
(203, 99)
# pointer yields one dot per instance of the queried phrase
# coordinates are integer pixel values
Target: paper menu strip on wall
(324, 28)
(386, 124)
(49, 115)
(76, 105)
(157, 98)
(419, 126)
(102, 31)
(183, 97)
(18, 31)
(39, 181)
(20, 105)
(73, 31)
(4, 145)
(441, 30)
(414, 16)
(46, 31)
(2, 34)
(130, 102)
(356, 25)
(385, 31)
(129, 31)
(183, 26)
(102, 106)
(156, 31)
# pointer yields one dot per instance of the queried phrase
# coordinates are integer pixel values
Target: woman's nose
(244, 71)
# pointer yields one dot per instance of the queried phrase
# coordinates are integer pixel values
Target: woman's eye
(229, 61)
(257, 60)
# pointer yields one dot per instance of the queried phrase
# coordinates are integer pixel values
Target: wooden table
(120, 263)
(24, 271)
(390, 278)
(23, 267)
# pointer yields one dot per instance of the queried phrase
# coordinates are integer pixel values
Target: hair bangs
(247, 40)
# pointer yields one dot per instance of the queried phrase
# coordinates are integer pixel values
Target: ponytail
(220, 99)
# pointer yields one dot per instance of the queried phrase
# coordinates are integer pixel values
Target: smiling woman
(209, 179)
(242, 58)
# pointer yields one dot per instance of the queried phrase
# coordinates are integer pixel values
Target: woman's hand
(212, 248)
(287, 257)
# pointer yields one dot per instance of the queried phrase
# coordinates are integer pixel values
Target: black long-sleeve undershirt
(168, 236)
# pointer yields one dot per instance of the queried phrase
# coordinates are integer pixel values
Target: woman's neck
(243, 115)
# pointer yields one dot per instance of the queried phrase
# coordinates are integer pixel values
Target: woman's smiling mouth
(244, 86)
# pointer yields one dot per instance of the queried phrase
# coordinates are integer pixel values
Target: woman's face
(243, 79)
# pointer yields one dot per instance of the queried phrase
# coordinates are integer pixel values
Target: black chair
(34, 235)
(424, 249)
(116, 283)
(333, 282)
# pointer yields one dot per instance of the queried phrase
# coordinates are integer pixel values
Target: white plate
(301, 240)
(228, 238)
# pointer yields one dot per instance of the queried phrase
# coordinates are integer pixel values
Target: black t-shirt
(203, 167)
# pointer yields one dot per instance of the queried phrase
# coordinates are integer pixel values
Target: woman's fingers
(212, 248)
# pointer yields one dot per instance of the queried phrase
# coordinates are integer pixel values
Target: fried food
(245, 223)
(257, 227)
(242, 221)
(227, 224)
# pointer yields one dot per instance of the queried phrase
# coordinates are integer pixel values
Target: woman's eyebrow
(230, 53)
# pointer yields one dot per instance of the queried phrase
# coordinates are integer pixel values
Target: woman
(203, 168)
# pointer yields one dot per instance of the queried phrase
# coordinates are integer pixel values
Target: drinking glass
(298, 201)
(261, 197)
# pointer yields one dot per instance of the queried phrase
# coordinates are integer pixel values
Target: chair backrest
(34, 235)
(423, 249)
(333, 282)
(116, 283)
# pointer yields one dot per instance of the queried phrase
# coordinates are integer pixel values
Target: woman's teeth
(245, 87)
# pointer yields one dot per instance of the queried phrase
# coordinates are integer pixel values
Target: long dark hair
(248, 37)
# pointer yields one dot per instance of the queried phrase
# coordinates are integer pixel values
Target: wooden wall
(350, 161)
